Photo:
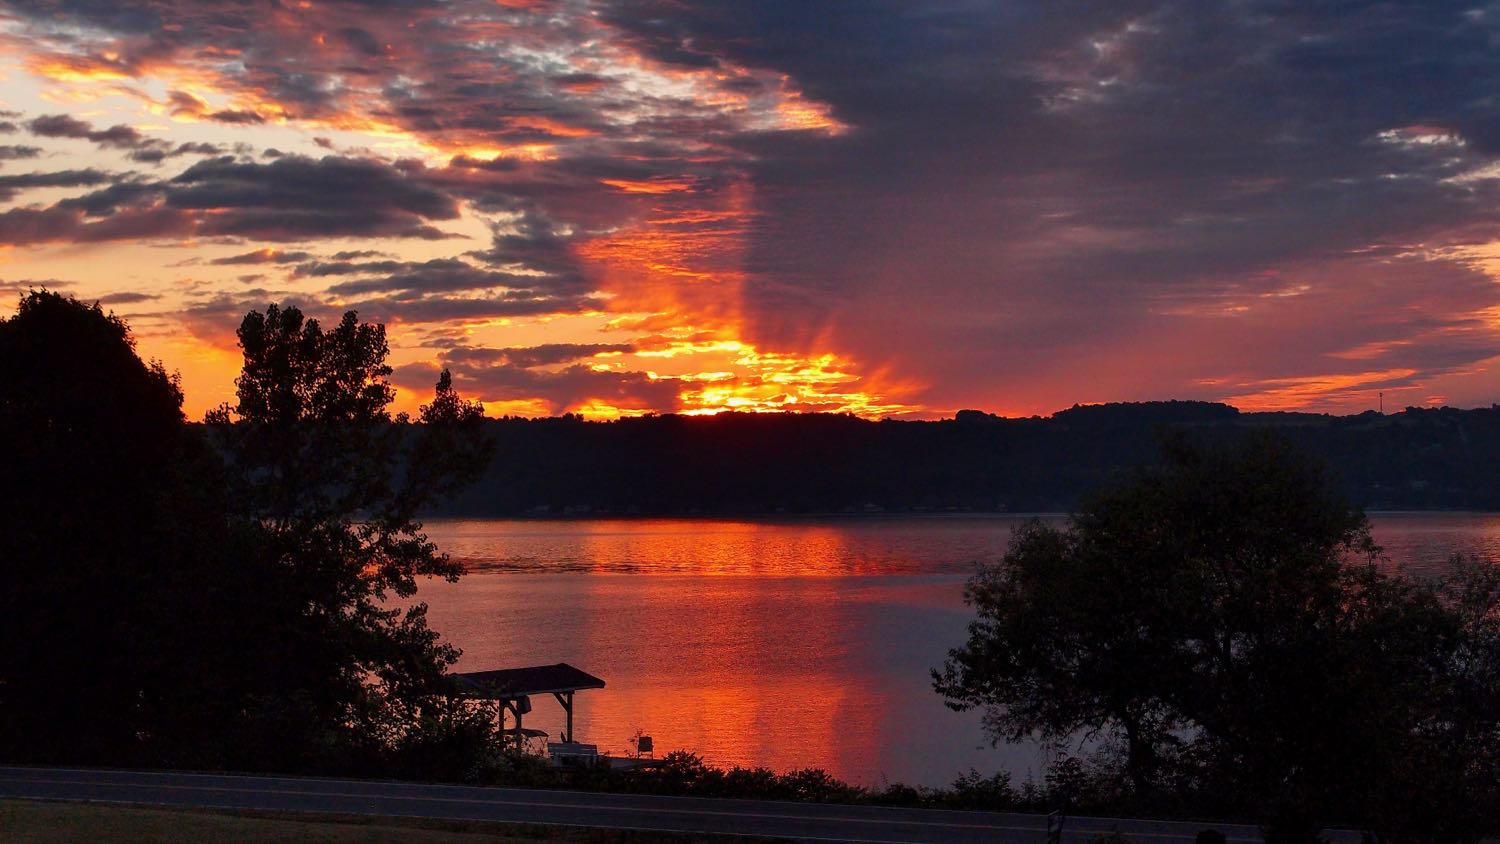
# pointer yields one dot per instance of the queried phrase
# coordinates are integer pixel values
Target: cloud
(566, 389)
(1016, 206)
(441, 275)
(262, 256)
(298, 183)
(22, 286)
(12, 185)
(242, 118)
(156, 152)
(341, 267)
(526, 357)
(118, 136)
(445, 308)
(14, 152)
(128, 298)
(1080, 202)
(27, 226)
(287, 200)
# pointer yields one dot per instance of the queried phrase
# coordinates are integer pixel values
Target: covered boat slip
(514, 687)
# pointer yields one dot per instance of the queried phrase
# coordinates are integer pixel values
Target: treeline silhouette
(976, 462)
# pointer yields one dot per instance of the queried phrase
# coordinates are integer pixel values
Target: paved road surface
(798, 821)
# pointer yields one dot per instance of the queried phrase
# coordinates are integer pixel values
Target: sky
(613, 207)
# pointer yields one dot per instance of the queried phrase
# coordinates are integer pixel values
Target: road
(796, 821)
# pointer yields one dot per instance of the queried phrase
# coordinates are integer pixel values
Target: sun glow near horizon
(579, 206)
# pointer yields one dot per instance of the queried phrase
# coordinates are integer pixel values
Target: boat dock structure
(514, 688)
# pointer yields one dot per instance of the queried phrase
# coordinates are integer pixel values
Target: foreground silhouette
(116, 584)
(1219, 624)
(215, 596)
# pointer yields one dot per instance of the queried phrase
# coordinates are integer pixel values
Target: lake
(787, 643)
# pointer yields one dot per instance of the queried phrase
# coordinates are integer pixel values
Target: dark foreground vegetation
(809, 463)
(219, 596)
(1219, 626)
(216, 596)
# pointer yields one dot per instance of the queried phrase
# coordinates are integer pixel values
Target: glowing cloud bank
(614, 208)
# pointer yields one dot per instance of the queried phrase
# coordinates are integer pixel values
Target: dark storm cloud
(323, 269)
(158, 151)
(294, 183)
(547, 354)
(1045, 182)
(64, 126)
(121, 137)
(108, 200)
(242, 118)
(12, 185)
(13, 152)
(290, 199)
(443, 275)
(24, 226)
(534, 244)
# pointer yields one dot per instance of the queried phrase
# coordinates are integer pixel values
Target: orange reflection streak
(714, 678)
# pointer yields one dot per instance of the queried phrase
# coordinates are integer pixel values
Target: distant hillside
(976, 462)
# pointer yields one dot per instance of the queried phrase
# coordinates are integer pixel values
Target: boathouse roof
(536, 680)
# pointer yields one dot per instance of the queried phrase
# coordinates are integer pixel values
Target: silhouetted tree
(111, 565)
(1219, 618)
(325, 488)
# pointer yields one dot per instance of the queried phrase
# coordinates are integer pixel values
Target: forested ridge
(1419, 458)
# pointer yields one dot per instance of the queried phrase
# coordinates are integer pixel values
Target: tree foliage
(325, 488)
(240, 600)
(1220, 622)
(113, 535)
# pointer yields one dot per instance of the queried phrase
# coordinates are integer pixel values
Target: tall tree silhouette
(109, 570)
(326, 488)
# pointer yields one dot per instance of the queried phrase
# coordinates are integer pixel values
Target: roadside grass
(46, 822)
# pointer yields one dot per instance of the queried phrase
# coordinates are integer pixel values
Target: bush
(974, 791)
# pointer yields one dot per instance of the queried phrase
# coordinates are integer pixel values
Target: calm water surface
(784, 643)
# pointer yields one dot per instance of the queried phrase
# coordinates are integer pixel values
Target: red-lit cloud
(870, 207)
